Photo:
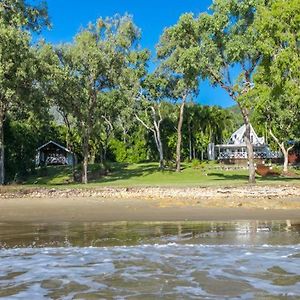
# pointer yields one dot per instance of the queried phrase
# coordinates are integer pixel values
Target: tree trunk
(69, 143)
(250, 153)
(190, 141)
(2, 173)
(159, 144)
(159, 147)
(156, 134)
(161, 161)
(160, 151)
(73, 165)
(104, 153)
(286, 161)
(247, 138)
(92, 157)
(179, 136)
(284, 151)
(85, 149)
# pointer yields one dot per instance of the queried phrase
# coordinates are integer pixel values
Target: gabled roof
(56, 144)
(237, 138)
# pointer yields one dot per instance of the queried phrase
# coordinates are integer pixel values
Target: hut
(53, 153)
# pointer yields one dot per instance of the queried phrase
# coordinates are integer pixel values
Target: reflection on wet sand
(132, 233)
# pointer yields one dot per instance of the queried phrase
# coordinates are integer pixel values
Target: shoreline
(150, 204)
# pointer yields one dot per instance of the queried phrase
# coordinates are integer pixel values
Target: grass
(147, 174)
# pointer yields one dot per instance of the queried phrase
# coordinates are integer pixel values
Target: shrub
(196, 163)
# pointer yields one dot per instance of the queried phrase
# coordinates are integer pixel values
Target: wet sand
(97, 209)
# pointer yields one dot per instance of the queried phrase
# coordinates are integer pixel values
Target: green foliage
(196, 163)
(16, 59)
(201, 141)
(119, 150)
(226, 39)
(23, 137)
(20, 150)
(22, 14)
(99, 82)
(277, 79)
(134, 151)
(171, 143)
(94, 76)
(179, 51)
(19, 71)
(138, 152)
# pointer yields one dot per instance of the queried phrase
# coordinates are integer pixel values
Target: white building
(236, 149)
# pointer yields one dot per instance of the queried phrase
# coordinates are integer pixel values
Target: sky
(151, 16)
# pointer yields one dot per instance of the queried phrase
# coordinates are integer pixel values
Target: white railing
(56, 159)
(243, 155)
(228, 155)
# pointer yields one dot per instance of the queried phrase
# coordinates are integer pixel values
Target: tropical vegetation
(97, 96)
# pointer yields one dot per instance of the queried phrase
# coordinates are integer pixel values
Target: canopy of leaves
(179, 52)
(277, 80)
(226, 39)
(22, 14)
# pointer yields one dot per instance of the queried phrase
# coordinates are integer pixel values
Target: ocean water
(181, 260)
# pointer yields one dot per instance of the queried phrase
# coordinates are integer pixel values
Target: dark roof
(56, 144)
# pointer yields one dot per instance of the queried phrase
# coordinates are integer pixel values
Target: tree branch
(290, 148)
(143, 123)
(222, 84)
(108, 122)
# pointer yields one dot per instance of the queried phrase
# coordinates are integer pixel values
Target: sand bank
(151, 204)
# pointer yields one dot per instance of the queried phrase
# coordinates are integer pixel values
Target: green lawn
(147, 174)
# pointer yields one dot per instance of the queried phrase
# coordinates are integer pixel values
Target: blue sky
(152, 16)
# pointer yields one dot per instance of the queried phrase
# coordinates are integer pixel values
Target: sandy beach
(150, 204)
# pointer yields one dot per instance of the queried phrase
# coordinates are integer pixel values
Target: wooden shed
(53, 153)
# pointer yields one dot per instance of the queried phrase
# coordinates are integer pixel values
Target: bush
(119, 150)
(197, 164)
(135, 153)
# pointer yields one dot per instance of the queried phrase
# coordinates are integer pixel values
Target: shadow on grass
(122, 172)
(244, 177)
(49, 175)
(233, 177)
(279, 178)
(62, 175)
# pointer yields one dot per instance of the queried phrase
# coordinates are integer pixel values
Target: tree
(150, 112)
(204, 125)
(23, 15)
(24, 132)
(83, 76)
(179, 52)
(277, 80)
(226, 38)
(18, 65)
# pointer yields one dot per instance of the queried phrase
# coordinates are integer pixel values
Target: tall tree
(277, 80)
(100, 62)
(18, 65)
(226, 39)
(150, 108)
(179, 53)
